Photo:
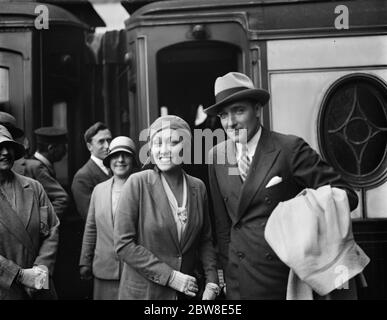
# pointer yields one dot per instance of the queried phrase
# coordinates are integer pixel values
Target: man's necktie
(244, 163)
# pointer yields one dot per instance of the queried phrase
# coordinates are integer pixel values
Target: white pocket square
(275, 180)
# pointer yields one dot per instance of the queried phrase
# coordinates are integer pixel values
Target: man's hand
(85, 273)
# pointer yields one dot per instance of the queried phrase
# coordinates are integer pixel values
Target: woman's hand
(183, 283)
(32, 278)
(85, 273)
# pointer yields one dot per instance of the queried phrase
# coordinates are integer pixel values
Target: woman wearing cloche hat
(163, 229)
(98, 257)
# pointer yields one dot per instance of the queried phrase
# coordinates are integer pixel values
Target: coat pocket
(44, 229)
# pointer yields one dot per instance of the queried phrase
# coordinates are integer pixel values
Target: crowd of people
(148, 232)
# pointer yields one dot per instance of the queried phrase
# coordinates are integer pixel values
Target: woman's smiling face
(121, 164)
(166, 147)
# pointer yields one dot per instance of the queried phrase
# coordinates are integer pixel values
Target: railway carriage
(324, 63)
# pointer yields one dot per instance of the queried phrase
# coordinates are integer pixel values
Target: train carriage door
(186, 73)
(177, 60)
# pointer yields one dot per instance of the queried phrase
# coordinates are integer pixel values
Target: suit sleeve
(55, 192)
(207, 251)
(311, 171)
(89, 235)
(82, 189)
(125, 236)
(8, 272)
(222, 220)
(49, 233)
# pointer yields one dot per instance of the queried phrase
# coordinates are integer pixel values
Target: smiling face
(7, 157)
(240, 120)
(166, 149)
(121, 164)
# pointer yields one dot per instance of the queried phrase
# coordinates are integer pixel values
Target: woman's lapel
(193, 214)
(161, 204)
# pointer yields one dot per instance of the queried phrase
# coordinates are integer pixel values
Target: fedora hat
(120, 144)
(9, 122)
(6, 139)
(235, 86)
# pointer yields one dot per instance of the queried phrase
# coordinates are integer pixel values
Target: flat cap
(51, 135)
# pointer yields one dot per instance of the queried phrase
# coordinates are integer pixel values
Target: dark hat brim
(17, 147)
(259, 95)
(15, 131)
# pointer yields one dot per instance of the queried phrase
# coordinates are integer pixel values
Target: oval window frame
(378, 175)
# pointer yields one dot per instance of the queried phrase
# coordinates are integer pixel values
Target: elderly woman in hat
(28, 230)
(98, 257)
(162, 229)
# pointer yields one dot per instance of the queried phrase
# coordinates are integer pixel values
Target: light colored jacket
(27, 238)
(98, 244)
(321, 250)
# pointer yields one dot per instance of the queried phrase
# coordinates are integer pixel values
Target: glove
(183, 283)
(211, 291)
(85, 273)
(33, 278)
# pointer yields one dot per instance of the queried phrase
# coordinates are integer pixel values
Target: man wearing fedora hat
(262, 168)
(28, 230)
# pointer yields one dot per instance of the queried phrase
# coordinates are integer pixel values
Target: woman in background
(162, 229)
(98, 257)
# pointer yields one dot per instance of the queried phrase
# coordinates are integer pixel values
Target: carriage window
(354, 129)
(353, 138)
(4, 85)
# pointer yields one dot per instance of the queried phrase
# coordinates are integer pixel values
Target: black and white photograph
(210, 152)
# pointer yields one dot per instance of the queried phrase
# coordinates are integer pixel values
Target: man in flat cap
(252, 171)
(51, 148)
(97, 139)
(28, 230)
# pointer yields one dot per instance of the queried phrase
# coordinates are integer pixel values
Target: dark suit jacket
(37, 170)
(98, 244)
(252, 269)
(83, 184)
(146, 239)
(27, 238)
